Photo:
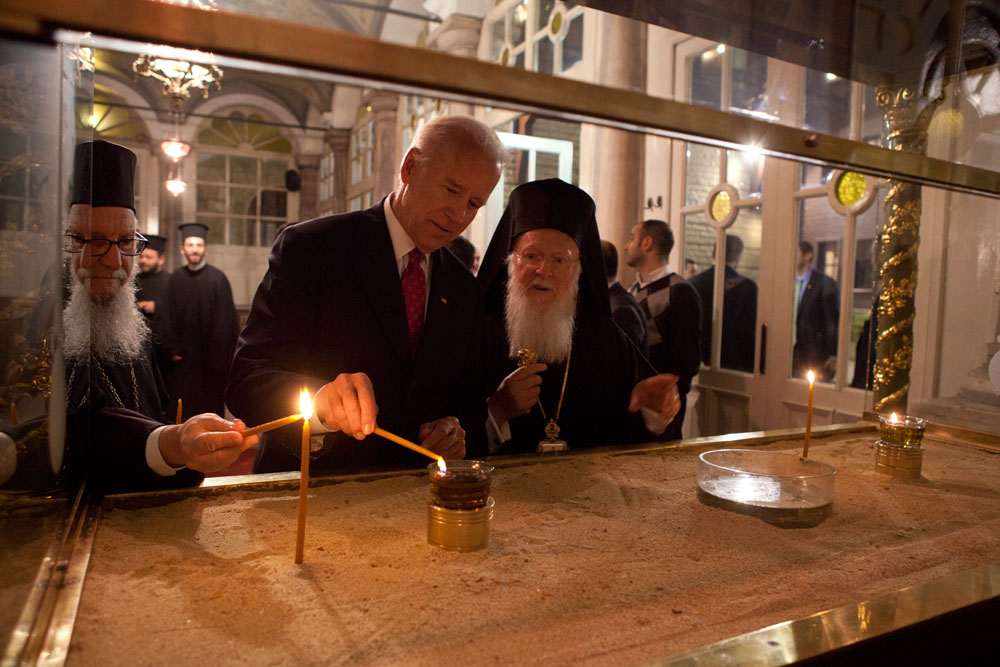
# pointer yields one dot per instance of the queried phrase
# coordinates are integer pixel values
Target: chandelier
(179, 77)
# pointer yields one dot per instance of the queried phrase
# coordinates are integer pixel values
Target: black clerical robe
(112, 409)
(205, 327)
(604, 366)
(154, 287)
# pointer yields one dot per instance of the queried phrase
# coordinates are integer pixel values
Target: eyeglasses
(534, 260)
(99, 247)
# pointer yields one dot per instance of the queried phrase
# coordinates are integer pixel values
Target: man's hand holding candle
(348, 404)
(205, 443)
(658, 399)
(517, 394)
(445, 437)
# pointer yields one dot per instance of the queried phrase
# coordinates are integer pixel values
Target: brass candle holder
(460, 511)
(899, 451)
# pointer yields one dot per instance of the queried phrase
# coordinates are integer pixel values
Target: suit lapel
(439, 303)
(375, 264)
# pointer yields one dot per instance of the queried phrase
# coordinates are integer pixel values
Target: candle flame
(811, 377)
(893, 418)
(305, 405)
(441, 465)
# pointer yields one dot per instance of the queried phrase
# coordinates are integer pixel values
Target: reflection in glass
(572, 48)
(860, 351)
(745, 171)
(706, 79)
(816, 295)
(828, 103)
(702, 173)
(748, 81)
(544, 51)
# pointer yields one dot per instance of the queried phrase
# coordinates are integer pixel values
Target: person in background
(466, 253)
(546, 291)
(739, 311)
(672, 309)
(690, 269)
(370, 313)
(817, 315)
(204, 324)
(151, 296)
(625, 310)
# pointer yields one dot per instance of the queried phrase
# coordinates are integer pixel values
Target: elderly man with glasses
(565, 374)
(117, 402)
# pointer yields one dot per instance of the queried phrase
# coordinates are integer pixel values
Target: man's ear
(409, 164)
(646, 244)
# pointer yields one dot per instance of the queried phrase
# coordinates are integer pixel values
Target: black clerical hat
(103, 175)
(189, 229)
(548, 204)
(157, 243)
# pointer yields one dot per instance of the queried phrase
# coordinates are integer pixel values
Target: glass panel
(816, 291)
(519, 60)
(216, 229)
(11, 214)
(273, 203)
(828, 103)
(572, 48)
(701, 174)
(699, 243)
(814, 175)
(544, 9)
(272, 173)
(241, 231)
(243, 201)
(748, 81)
(706, 79)
(546, 165)
(543, 55)
(211, 199)
(518, 22)
(269, 231)
(872, 118)
(859, 354)
(739, 303)
(243, 170)
(211, 167)
(745, 172)
(497, 38)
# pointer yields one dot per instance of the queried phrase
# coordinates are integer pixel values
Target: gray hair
(458, 132)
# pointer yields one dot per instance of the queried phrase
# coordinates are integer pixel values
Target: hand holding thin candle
(348, 404)
(809, 413)
(205, 443)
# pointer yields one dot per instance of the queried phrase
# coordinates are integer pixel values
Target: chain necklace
(552, 426)
(111, 386)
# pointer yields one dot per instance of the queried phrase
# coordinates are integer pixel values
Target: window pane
(243, 170)
(518, 19)
(269, 231)
(739, 301)
(12, 144)
(745, 171)
(211, 199)
(543, 55)
(216, 229)
(702, 173)
(273, 203)
(272, 173)
(816, 291)
(863, 297)
(211, 167)
(243, 201)
(573, 43)
(828, 103)
(872, 118)
(814, 175)
(241, 231)
(497, 39)
(544, 9)
(519, 60)
(748, 81)
(706, 79)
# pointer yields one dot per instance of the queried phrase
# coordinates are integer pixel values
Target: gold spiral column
(907, 116)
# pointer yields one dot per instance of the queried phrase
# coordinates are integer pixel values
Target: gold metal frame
(391, 66)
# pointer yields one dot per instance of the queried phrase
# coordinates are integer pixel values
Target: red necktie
(414, 287)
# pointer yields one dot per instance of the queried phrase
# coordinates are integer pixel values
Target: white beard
(112, 329)
(548, 331)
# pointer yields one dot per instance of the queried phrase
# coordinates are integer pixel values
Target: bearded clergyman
(117, 402)
(563, 370)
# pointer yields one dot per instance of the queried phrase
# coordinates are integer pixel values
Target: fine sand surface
(599, 559)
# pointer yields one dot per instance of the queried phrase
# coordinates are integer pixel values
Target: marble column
(339, 142)
(309, 193)
(385, 108)
(617, 176)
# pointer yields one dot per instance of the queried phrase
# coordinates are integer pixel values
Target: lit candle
(305, 405)
(270, 426)
(179, 412)
(809, 413)
(412, 445)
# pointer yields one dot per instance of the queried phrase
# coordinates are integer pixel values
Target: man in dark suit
(370, 313)
(625, 309)
(817, 314)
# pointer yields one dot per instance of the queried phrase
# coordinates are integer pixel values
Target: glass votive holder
(906, 432)
(465, 485)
